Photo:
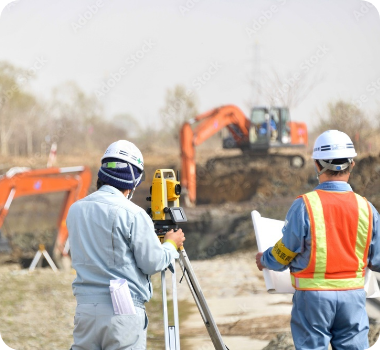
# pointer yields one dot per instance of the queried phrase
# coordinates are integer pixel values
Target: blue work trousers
(321, 317)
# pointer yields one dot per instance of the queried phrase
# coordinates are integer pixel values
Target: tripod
(42, 252)
(167, 215)
(172, 332)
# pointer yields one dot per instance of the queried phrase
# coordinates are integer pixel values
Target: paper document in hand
(268, 232)
(121, 297)
(371, 286)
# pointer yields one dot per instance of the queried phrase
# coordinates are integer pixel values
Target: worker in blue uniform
(112, 238)
(271, 124)
(330, 236)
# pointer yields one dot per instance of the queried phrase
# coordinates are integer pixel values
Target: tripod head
(164, 198)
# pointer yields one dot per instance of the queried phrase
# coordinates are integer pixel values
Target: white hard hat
(333, 144)
(126, 151)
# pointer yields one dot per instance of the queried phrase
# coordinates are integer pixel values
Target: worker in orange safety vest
(330, 236)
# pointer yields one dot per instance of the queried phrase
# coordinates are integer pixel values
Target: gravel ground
(233, 287)
(37, 309)
(228, 275)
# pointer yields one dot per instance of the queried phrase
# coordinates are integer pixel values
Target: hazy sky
(140, 49)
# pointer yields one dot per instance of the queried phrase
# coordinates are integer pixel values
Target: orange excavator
(18, 182)
(267, 130)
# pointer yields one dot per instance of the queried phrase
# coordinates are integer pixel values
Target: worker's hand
(258, 261)
(178, 237)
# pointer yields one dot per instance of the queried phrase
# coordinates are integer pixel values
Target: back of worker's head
(334, 152)
(122, 166)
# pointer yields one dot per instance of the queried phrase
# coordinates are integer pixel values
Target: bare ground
(37, 309)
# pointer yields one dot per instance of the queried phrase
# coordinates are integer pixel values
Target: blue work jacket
(111, 237)
(297, 234)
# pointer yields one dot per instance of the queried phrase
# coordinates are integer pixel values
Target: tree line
(30, 124)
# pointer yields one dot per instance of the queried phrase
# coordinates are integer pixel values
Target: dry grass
(37, 310)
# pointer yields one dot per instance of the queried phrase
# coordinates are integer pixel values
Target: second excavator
(267, 133)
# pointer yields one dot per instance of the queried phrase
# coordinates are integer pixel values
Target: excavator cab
(269, 127)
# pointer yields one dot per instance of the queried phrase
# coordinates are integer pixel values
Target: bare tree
(346, 117)
(289, 89)
(13, 102)
(75, 116)
(26, 115)
(180, 106)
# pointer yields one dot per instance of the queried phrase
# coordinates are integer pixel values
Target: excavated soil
(219, 224)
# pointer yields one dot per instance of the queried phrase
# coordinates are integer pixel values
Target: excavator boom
(18, 182)
(209, 124)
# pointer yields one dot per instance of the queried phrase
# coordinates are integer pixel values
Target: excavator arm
(18, 182)
(210, 123)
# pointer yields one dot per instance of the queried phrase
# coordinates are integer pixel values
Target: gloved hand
(178, 237)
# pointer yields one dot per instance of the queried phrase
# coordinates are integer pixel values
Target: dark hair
(335, 173)
(100, 183)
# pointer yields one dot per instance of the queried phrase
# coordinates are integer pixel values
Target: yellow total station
(165, 193)
(164, 209)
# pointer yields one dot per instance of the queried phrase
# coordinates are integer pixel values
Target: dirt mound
(277, 179)
(225, 201)
(264, 178)
(365, 179)
(221, 222)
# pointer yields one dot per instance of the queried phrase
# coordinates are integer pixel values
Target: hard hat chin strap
(130, 194)
(334, 167)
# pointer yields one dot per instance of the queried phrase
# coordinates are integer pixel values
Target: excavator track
(247, 160)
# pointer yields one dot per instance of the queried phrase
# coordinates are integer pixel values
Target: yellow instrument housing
(163, 193)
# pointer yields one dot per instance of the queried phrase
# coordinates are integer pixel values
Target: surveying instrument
(166, 215)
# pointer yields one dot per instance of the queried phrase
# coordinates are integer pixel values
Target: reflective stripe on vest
(341, 231)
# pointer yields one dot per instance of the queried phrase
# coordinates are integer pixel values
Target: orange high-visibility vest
(341, 232)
